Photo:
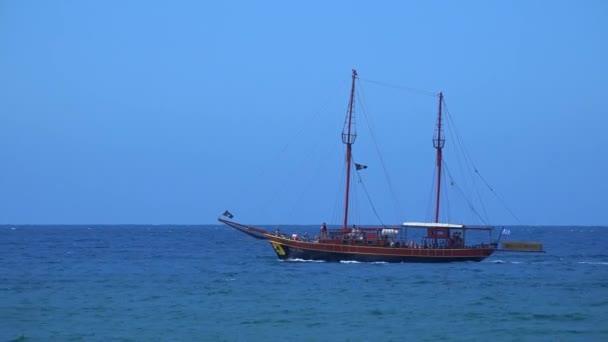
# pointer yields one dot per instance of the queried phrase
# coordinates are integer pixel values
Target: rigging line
(497, 196)
(308, 185)
(410, 89)
(369, 198)
(458, 138)
(446, 197)
(429, 206)
(316, 115)
(467, 190)
(454, 131)
(354, 205)
(396, 203)
(338, 197)
(460, 190)
(280, 155)
(278, 190)
(467, 155)
(314, 118)
(468, 160)
(475, 189)
(357, 212)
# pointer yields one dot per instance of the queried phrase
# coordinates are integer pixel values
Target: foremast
(438, 143)
(348, 137)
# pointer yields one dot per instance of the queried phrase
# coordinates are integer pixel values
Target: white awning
(432, 225)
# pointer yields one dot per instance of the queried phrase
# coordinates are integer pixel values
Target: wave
(304, 260)
(593, 262)
(506, 262)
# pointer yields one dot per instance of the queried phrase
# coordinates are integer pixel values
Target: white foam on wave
(593, 262)
(303, 260)
(506, 262)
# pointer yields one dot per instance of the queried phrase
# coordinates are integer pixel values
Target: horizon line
(275, 224)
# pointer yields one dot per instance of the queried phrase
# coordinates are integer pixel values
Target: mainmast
(438, 142)
(348, 138)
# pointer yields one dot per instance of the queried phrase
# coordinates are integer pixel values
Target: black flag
(228, 214)
(360, 166)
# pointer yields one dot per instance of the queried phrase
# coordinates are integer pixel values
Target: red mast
(348, 138)
(438, 142)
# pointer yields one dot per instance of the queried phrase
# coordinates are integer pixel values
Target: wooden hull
(287, 249)
(290, 249)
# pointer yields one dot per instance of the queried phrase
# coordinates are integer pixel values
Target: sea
(213, 283)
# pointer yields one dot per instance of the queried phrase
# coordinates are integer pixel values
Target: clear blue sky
(173, 111)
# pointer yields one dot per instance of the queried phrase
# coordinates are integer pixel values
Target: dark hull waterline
(286, 250)
(295, 254)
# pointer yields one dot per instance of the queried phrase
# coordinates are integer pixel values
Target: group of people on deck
(454, 241)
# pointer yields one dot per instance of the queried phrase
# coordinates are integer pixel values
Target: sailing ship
(441, 242)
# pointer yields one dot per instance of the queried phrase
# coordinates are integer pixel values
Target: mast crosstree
(438, 143)
(348, 138)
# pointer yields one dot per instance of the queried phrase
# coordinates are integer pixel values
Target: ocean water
(212, 283)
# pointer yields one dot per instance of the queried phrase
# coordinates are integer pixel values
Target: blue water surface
(212, 283)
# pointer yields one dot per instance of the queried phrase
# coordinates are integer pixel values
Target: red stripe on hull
(292, 249)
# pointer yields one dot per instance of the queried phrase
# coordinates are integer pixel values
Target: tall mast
(438, 142)
(348, 138)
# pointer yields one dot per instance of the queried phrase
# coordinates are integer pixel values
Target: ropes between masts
(469, 161)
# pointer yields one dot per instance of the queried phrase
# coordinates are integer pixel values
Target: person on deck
(323, 231)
